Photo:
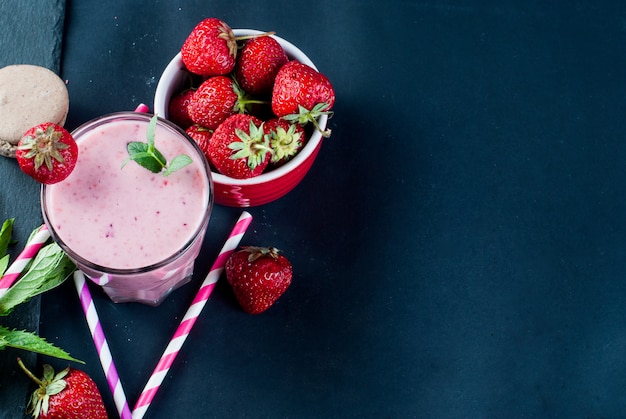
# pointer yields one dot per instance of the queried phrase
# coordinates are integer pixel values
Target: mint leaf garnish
(5, 239)
(29, 341)
(148, 156)
(4, 264)
(5, 236)
(50, 268)
(177, 163)
(145, 157)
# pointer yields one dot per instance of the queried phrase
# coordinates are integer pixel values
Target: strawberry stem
(243, 100)
(242, 104)
(325, 133)
(244, 37)
(28, 373)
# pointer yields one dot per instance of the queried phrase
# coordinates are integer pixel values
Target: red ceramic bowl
(270, 185)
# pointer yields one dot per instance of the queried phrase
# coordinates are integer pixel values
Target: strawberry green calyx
(285, 144)
(253, 146)
(50, 385)
(243, 102)
(304, 116)
(44, 146)
(257, 252)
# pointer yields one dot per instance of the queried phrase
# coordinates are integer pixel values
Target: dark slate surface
(459, 245)
(31, 32)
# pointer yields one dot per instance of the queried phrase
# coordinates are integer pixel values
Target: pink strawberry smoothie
(116, 221)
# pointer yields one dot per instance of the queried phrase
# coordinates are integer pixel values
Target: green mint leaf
(159, 157)
(33, 233)
(28, 341)
(137, 147)
(148, 161)
(140, 153)
(177, 163)
(4, 264)
(148, 156)
(50, 268)
(150, 132)
(5, 235)
(134, 148)
(30, 238)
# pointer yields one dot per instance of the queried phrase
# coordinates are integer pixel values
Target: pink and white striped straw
(142, 108)
(186, 324)
(102, 347)
(30, 250)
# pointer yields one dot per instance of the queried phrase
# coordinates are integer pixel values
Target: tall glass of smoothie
(134, 232)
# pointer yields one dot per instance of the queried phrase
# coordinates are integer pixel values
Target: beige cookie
(29, 95)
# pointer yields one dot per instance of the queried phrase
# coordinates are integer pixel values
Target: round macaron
(29, 95)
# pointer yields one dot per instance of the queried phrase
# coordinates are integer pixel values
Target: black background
(458, 246)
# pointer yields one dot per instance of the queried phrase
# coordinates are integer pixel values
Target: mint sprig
(5, 239)
(50, 268)
(148, 156)
(28, 341)
(5, 235)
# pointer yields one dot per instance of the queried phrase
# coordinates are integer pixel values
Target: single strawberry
(201, 136)
(257, 64)
(68, 394)
(258, 277)
(301, 94)
(239, 148)
(286, 139)
(177, 110)
(47, 152)
(210, 49)
(215, 100)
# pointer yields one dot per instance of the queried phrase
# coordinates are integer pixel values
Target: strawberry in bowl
(303, 96)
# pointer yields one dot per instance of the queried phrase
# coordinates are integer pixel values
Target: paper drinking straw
(102, 347)
(142, 108)
(186, 324)
(29, 252)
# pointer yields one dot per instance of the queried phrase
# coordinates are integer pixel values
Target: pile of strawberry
(247, 105)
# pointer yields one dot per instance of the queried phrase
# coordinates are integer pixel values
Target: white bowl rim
(175, 65)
